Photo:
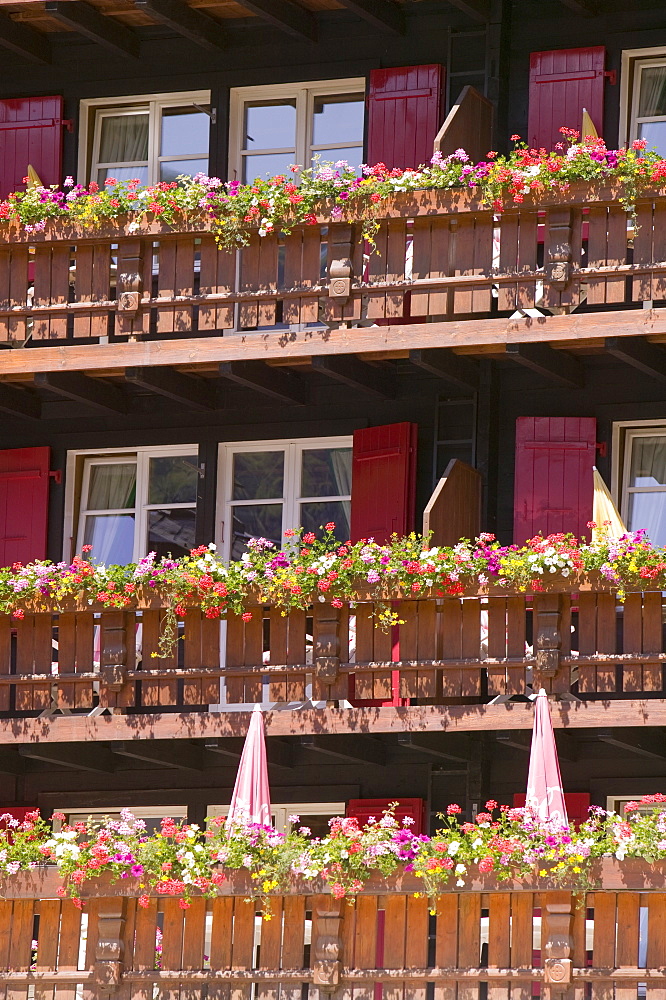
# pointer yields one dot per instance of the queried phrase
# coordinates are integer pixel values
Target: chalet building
(158, 393)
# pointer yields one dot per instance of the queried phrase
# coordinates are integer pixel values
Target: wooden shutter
(562, 83)
(403, 115)
(24, 499)
(363, 809)
(554, 476)
(30, 133)
(383, 481)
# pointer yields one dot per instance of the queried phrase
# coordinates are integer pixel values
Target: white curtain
(341, 465)
(112, 486)
(124, 139)
(653, 92)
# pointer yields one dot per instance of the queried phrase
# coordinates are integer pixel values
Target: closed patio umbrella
(251, 800)
(605, 514)
(545, 796)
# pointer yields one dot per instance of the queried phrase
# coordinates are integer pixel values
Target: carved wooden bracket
(109, 951)
(340, 270)
(327, 642)
(327, 946)
(113, 665)
(557, 270)
(558, 945)
(548, 635)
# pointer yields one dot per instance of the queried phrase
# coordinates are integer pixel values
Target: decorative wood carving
(548, 636)
(558, 919)
(327, 946)
(109, 951)
(557, 270)
(327, 641)
(340, 270)
(113, 665)
(129, 277)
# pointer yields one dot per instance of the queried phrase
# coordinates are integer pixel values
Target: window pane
(184, 130)
(338, 119)
(173, 479)
(111, 537)
(170, 170)
(124, 139)
(270, 125)
(123, 174)
(648, 511)
(648, 461)
(258, 475)
(655, 133)
(326, 472)
(318, 825)
(315, 515)
(171, 532)
(112, 486)
(652, 99)
(352, 155)
(266, 165)
(255, 521)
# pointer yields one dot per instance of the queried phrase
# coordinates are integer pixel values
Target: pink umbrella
(545, 796)
(251, 800)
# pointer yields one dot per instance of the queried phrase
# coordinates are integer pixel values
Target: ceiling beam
(286, 16)
(186, 21)
(18, 402)
(382, 14)
(87, 21)
(280, 385)
(352, 372)
(478, 10)
(415, 741)
(350, 747)
(653, 749)
(585, 7)
(567, 748)
(554, 365)
(101, 760)
(648, 358)
(24, 41)
(92, 392)
(278, 754)
(447, 365)
(180, 754)
(194, 393)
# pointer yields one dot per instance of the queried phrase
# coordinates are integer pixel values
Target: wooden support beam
(186, 21)
(351, 371)
(653, 749)
(182, 755)
(478, 10)
(278, 754)
(585, 7)
(415, 741)
(650, 359)
(87, 21)
(289, 17)
(382, 14)
(92, 392)
(447, 365)
(193, 393)
(554, 365)
(18, 402)
(280, 385)
(350, 747)
(24, 41)
(98, 761)
(567, 747)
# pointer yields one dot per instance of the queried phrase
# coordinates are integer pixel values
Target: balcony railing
(576, 638)
(497, 937)
(452, 255)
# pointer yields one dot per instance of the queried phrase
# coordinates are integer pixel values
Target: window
(276, 485)
(131, 503)
(154, 138)
(274, 127)
(618, 803)
(314, 815)
(644, 481)
(151, 815)
(649, 103)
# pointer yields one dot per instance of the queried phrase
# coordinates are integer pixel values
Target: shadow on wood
(454, 509)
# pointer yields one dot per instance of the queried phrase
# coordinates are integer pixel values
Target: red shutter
(403, 115)
(383, 481)
(554, 476)
(24, 499)
(363, 809)
(577, 803)
(30, 133)
(562, 83)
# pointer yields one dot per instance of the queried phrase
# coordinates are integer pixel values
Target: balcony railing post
(548, 643)
(327, 945)
(113, 655)
(340, 270)
(129, 287)
(557, 915)
(109, 951)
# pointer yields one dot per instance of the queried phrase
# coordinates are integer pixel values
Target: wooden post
(548, 641)
(109, 952)
(327, 642)
(113, 654)
(327, 945)
(558, 944)
(340, 269)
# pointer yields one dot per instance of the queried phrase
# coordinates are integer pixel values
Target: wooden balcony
(443, 258)
(490, 939)
(574, 639)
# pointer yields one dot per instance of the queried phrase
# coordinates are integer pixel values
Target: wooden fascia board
(572, 330)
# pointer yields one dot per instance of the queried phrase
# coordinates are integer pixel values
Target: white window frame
(293, 449)
(616, 803)
(176, 813)
(624, 431)
(305, 95)
(92, 110)
(116, 456)
(632, 62)
(282, 810)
